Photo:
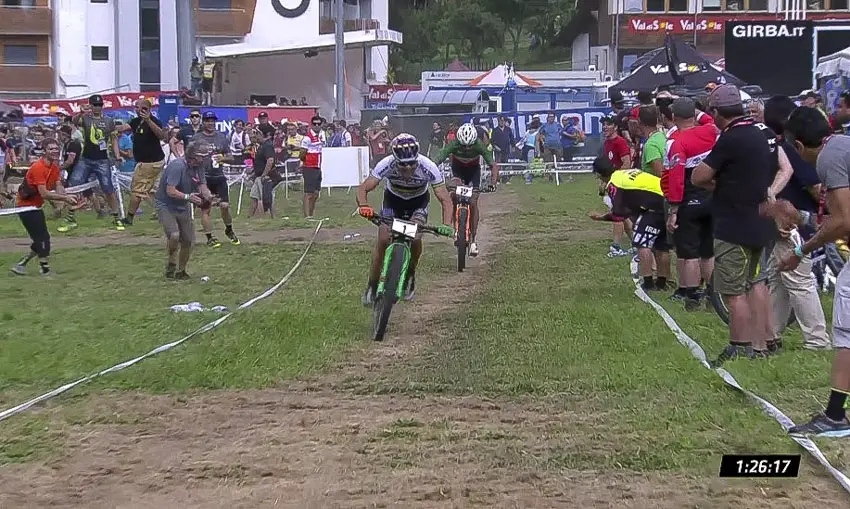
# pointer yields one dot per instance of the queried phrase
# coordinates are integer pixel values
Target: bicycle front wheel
(384, 302)
(462, 241)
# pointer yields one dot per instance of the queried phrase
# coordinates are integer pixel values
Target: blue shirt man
(551, 132)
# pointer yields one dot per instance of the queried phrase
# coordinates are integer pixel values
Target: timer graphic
(760, 465)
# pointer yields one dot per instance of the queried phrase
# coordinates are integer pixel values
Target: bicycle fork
(388, 254)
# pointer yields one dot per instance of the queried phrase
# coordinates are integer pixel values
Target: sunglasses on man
(194, 115)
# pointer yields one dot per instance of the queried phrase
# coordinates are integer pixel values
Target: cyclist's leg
(418, 212)
(388, 210)
(474, 179)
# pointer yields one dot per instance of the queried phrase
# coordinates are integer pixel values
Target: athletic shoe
(473, 249)
(127, 221)
(119, 225)
(733, 352)
(615, 251)
(233, 238)
(677, 297)
(774, 347)
(213, 242)
(182, 276)
(693, 304)
(19, 269)
(820, 424)
(170, 269)
(67, 226)
(410, 288)
(368, 297)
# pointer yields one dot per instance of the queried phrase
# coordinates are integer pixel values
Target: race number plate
(405, 228)
(464, 191)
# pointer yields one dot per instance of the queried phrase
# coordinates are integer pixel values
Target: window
(325, 9)
(149, 42)
(655, 5)
(734, 5)
(100, 1)
(218, 5)
(100, 53)
(757, 5)
(20, 54)
(815, 5)
(19, 3)
(711, 5)
(838, 4)
(678, 6)
(149, 23)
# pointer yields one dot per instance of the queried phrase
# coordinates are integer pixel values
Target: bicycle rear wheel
(462, 236)
(722, 310)
(383, 306)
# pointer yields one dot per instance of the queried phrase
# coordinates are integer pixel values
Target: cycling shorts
(469, 174)
(650, 231)
(694, 234)
(414, 209)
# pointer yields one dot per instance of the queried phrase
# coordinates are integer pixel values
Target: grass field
(535, 379)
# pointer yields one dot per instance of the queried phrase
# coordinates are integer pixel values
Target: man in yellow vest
(207, 83)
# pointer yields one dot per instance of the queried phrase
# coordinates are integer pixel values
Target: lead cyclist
(466, 152)
(410, 178)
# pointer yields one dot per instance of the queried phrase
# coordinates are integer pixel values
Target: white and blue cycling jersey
(407, 188)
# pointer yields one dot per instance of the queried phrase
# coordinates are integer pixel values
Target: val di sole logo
(290, 13)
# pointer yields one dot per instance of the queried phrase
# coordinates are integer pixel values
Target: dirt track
(316, 444)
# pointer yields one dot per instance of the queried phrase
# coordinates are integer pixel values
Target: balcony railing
(328, 26)
(37, 20)
(222, 22)
(26, 78)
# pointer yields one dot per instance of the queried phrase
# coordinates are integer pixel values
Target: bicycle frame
(398, 242)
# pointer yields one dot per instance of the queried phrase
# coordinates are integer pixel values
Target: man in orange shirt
(42, 182)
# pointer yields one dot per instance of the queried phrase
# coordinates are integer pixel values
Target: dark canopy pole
(185, 41)
(339, 59)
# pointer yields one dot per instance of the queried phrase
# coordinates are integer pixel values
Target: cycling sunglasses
(195, 115)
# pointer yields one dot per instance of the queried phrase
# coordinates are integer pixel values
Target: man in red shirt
(689, 218)
(616, 149)
(42, 182)
(312, 144)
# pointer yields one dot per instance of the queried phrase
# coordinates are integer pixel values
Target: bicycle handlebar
(379, 220)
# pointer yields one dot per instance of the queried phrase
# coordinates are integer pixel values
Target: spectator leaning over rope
(811, 137)
(739, 171)
(182, 185)
(795, 289)
(148, 135)
(42, 182)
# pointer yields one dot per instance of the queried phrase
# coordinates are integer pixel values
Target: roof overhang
(355, 39)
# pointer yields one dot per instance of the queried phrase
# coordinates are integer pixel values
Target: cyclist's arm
(445, 199)
(365, 188)
(447, 150)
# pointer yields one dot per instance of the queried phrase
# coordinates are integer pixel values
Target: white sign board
(344, 166)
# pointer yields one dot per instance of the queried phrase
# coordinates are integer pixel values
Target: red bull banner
(119, 101)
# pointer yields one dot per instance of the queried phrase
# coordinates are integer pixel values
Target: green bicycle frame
(396, 244)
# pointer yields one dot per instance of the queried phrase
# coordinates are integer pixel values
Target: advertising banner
(226, 115)
(776, 55)
(282, 114)
(47, 107)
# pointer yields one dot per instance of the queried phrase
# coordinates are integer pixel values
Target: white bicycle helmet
(467, 134)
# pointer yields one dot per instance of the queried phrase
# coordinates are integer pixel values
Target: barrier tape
(16, 210)
(766, 406)
(168, 346)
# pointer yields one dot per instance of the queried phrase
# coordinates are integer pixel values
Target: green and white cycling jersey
(425, 175)
(465, 155)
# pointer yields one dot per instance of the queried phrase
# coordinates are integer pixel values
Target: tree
(515, 15)
(472, 26)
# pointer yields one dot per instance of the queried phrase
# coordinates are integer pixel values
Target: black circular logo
(290, 13)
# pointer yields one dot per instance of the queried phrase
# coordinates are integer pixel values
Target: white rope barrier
(168, 346)
(768, 408)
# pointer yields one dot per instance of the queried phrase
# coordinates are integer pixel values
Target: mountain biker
(409, 175)
(466, 151)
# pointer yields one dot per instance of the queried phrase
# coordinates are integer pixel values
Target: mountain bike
(462, 200)
(395, 268)
(826, 263)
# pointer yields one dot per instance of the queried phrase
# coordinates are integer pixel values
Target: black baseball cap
(96, 100)
(609, 119)
(210, 115)
(263, 114)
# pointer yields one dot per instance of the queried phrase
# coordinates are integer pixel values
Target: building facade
(71, 48)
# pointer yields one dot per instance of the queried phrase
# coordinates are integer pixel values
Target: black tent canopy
(693, 69)
(10, 112)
